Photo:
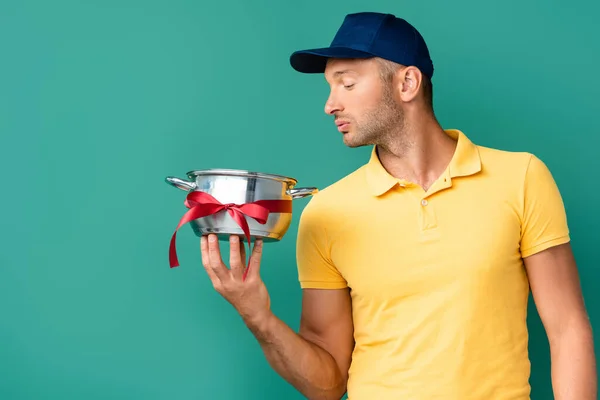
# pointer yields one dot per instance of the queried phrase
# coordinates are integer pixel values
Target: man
(415, 268)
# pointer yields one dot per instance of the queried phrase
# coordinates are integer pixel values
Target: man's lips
(342, 125)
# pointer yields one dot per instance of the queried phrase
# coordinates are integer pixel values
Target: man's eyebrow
(337, 74)
(342, 72)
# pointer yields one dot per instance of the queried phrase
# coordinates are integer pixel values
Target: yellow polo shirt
(439, 290)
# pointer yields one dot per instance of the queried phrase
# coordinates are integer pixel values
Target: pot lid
(241, 173)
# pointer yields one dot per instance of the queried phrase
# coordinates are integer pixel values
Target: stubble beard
(381, 125)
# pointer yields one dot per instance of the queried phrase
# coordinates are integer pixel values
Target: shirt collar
(465, 161)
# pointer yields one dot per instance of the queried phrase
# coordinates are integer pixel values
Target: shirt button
(424, 202)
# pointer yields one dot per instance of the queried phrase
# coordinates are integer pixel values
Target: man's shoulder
(515, 169)
(350, 184)
(338, 193)
(506, 161)
(496, 154)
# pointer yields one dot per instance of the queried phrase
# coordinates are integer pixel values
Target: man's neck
(419, 154)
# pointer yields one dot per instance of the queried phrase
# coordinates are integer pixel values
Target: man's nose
(332, 105)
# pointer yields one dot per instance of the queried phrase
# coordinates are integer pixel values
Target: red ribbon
(202, 204)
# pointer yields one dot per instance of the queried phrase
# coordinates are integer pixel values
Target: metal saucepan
(240, 187)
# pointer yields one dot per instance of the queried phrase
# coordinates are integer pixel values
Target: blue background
(101, 100)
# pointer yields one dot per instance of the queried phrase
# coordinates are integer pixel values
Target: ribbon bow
(202, 204)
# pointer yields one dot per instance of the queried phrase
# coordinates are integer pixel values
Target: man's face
(364, 106)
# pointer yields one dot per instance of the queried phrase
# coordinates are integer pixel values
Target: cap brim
(314, 60)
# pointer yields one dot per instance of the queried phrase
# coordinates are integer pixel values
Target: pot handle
(302, 192)
(180, 183)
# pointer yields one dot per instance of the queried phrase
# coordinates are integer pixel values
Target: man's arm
(556, 290)
(314, 361)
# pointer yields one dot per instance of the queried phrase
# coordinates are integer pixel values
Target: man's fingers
(236, 261)
(204, 251)
(205, 260)
(243, 252)
(215, 262)
(255, 258)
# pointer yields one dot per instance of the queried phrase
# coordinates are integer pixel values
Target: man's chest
(420, 245)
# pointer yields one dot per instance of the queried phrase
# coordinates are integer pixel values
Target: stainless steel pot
(240, 187)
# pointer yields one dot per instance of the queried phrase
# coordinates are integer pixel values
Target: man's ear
(410, 79)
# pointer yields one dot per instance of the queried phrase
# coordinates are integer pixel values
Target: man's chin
(351, 141)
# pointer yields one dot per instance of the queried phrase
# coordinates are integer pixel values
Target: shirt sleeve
(313, 251)
(544, 220)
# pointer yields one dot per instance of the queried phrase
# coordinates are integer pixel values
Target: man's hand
(316, 363)
(249, 297)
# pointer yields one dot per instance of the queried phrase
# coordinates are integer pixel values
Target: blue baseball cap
(366, 35)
